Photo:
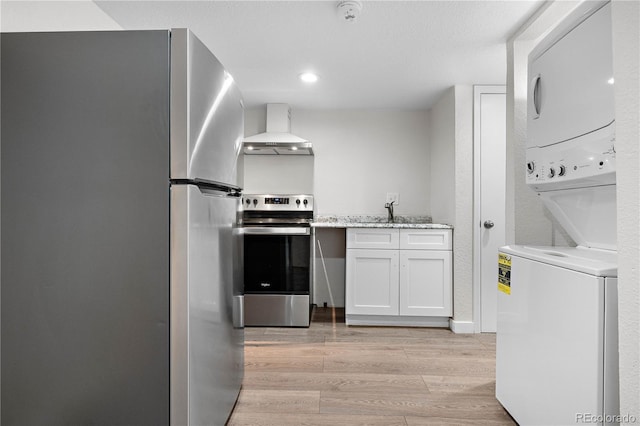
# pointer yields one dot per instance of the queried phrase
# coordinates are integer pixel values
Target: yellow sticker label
(504, 273)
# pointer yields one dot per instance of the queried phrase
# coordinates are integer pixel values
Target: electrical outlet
(393, 197)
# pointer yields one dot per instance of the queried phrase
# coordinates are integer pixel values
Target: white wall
(361, 155)
(463, 225)
(76, 15)
(442, 138)
(626, 36)
(451, 139)
(278, 174)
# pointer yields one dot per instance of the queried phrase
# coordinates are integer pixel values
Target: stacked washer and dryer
(557, 347)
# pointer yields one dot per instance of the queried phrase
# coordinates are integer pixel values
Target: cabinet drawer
(373, 238)
(425, 239)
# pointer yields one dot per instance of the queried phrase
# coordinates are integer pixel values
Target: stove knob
(248, 201)
(298, 202)
(255, 202)
(552, 172)
(305, 202)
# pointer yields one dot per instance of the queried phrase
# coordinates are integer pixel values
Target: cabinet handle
(537, 96)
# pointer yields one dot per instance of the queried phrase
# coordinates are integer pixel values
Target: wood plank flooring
(331, 374)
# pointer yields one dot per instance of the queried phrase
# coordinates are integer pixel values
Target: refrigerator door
(207, 119)
(207, 351)
(85, 228)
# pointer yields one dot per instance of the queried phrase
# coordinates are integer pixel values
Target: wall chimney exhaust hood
(277, 140)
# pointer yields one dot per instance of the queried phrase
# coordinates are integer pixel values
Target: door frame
(478, 90)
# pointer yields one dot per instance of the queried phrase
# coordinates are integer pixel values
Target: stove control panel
(280, 202)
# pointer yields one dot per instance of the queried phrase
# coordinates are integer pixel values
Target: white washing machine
(557, 338)
(556, 344)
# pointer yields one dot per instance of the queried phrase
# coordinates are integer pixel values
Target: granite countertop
(374, 221)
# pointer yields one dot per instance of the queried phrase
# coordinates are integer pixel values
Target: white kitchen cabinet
(398, 276)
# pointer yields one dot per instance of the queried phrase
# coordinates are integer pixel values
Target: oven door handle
(274, 230)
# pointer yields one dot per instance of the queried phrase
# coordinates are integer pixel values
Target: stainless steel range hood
(277, 140)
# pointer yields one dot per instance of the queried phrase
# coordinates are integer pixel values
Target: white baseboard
(462, 327)
(403, 321)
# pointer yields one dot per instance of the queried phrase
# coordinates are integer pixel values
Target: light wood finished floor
(331, 374)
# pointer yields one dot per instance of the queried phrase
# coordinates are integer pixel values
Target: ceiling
(396, 55)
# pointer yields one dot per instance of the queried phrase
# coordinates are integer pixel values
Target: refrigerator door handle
(238, 311)
(229, 193)
(210, 187)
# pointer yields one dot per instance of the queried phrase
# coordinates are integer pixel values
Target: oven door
(277, 260)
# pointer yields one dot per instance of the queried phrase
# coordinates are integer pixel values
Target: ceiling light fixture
(349, 10)
(308, 77)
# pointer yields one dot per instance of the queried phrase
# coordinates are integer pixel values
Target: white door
(489, 205)
(372, 282)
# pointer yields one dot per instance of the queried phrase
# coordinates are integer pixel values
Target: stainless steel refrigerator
(121, 264)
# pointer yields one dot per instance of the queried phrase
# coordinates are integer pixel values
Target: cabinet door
(425, 283)
(372, 282)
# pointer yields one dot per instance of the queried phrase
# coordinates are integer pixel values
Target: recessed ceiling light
(309, 77)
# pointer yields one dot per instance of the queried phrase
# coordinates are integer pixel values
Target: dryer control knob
(552, 172)
(562, 171)
(531, 166)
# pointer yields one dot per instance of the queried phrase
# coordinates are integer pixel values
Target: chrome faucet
(389, 207)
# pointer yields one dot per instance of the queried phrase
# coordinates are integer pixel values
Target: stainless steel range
(277, 259)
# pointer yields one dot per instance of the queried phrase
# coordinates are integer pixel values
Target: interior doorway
(489, 151)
